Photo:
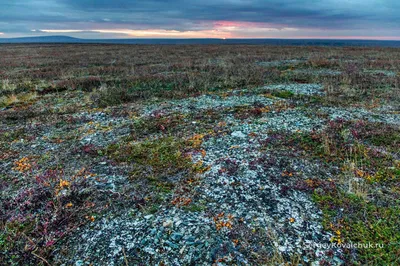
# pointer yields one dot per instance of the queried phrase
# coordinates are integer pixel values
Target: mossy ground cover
(153, 159)
(352, 220)
(361, 204)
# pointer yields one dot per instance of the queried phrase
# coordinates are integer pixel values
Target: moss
(385, 140)
(315, 99)
(152, 209)
(195, 207)
(283, 94)
(386, 137)
(9, 136)
(3, 241)
(344, 143)
(122, 92)
(156, 160)
(163, 124)
(11, 239)
(354, 220)
(386, 175)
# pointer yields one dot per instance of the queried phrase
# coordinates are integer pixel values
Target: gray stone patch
(318, 72)
(281, 63)
(302, 89)
(244, 192)
(387, 73)
(360, 113)
(206, 102)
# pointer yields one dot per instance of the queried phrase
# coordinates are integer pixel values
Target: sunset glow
(220, 29)
(151, 33)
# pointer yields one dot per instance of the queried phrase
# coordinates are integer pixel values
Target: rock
(338, 261)
(149, 250)
(168, 223)
(176, 236)
(182, 250)
(148, 216)
(191, 239)
(79, 263)
(238, 134)
(179, 222)
(282, 249)
(172, 245)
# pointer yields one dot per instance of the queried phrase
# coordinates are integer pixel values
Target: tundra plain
(199, 155)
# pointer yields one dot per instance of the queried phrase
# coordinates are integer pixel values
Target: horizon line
(343, 38)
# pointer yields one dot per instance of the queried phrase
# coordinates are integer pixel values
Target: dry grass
(143, 71)
(13, 99)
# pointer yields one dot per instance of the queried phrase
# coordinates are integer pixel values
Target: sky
(107, 19)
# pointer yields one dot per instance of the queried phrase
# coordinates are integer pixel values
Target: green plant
(360, 221)
(283, 94)
(156, 160)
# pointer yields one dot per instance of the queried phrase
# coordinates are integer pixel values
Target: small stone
(282, 249)
(191, 239)
(176, 236)
(238, 134)
(79, 263)
(182, 249)
(148, 216)
(338, 261)
(178, 222)
(172, 245)
(149, 250)
(168, 223)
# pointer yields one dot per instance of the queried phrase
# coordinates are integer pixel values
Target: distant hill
(42, 39)
(301, 42)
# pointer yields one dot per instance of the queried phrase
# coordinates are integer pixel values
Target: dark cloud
(316, 13)
(199, 15)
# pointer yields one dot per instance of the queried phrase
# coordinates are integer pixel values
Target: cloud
(248, 18)
(294, 13)
(222, 29)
